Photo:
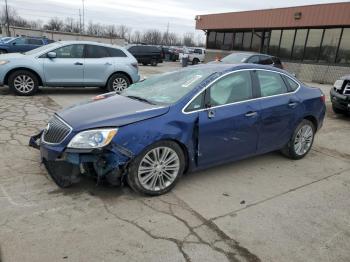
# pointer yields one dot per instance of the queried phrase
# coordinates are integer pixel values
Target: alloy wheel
(119, 84)
(303, 140)
(158, 169)
(24, 84)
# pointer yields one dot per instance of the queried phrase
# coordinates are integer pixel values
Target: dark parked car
(181, 121)
(147, 54)
(254, 58)
(340, 95)
(169, 54)
(22, 44)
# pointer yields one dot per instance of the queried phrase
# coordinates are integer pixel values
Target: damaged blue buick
(178, 122)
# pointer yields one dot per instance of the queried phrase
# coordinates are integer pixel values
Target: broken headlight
(93, 138)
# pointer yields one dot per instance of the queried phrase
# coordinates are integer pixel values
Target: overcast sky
(145, 14)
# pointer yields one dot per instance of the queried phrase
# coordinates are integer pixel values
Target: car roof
(88, 43)
(223, 68)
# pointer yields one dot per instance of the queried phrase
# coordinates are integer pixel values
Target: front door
(228, 127)
(67, 68)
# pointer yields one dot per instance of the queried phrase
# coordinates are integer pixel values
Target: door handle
(251, 114)
(211, 113)
(292, 104)
(78, 63)
(108, 64)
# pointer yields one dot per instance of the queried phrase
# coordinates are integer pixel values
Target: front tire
(157, 169)
(301, 141)
(118, 82)
(154, 62)
(195, 61)
(23, 83)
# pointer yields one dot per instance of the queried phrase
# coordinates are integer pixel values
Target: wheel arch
(120, 72)
(6, 79)
(313, 120)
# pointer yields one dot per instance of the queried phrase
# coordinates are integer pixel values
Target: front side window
(196, 104)
(70, 51)
(232, 88)
(19, 41)
(95, 51)
(271, 83)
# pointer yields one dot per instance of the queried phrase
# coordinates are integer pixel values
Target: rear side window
(34, 41)
(198, 51)
(94, 51)
(114, 52)
(133, 49)
(271, 83)
(292, 84)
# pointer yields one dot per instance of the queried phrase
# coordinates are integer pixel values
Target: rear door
(228, 126)
(279, 111)
(67, 68)
(18, 45)
(99, 65)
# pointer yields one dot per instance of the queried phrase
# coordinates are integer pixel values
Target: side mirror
(14, 43)
(51, 55)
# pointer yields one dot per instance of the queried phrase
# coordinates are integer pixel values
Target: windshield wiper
(141, 99)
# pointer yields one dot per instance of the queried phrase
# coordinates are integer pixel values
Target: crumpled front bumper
(65, 165)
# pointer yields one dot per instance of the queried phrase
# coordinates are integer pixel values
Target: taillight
(323, 98)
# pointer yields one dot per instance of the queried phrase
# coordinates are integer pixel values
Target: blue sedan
(177, 122)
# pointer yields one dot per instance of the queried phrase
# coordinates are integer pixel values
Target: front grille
(56, 131)
(347, 89)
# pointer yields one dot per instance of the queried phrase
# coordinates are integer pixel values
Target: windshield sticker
(191, 81)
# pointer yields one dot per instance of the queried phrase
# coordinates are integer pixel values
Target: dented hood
(112, 111)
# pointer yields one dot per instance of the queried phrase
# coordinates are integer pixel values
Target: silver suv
(69, 63)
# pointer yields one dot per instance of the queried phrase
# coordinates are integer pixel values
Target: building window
(313, 43)
(274, 42)
(286, 44)
(219, 40)
(266, 39)
(211, 39)
(256, 41)
(247, 40)
(329, 46)
(343, 56)
(238, 41)
(228, 41)
(299, 44)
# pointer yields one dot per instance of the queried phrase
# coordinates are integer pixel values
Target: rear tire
(23, 83)
(118, 82)
(157, 169)
(301, 142)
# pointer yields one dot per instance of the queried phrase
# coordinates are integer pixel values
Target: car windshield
(168, 88)
(42, 48)
(7, 39)
(235, 58)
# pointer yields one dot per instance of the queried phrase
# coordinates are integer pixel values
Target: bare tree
(152, 37)
(188, 39)
(137, 37)
(54, 24)
(71, 25)
(111, 31)
(123, 31)
(95, 29)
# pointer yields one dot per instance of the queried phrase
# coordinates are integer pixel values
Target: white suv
(195, 55)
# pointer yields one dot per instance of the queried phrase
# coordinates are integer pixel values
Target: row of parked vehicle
(21, 44)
